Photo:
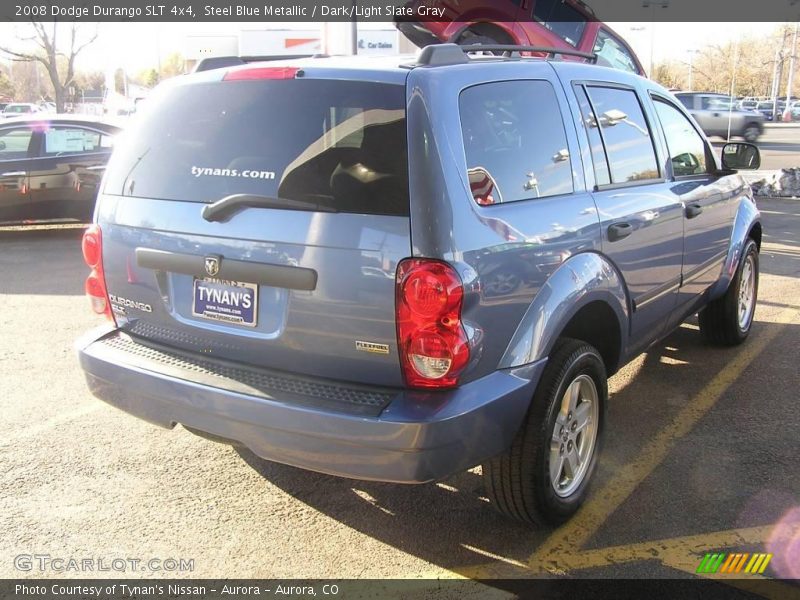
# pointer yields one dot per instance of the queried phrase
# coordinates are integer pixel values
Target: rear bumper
(418, 437)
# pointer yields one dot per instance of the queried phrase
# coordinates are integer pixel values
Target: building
(329, 38)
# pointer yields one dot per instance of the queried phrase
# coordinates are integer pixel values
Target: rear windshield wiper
(224, 209)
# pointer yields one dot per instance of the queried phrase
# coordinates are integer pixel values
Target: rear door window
(625, 133)
(340, 145)
(514, 142)
(60, 141)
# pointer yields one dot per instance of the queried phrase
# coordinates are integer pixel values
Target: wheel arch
(747, 225)
(584, 299)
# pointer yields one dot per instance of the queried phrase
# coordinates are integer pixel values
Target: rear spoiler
(220, 62)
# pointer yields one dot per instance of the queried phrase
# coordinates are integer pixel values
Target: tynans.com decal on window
(247, 173)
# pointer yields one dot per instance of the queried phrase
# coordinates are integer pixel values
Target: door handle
(96, 168)
(619, 231)
(14, 174)
(693, 210)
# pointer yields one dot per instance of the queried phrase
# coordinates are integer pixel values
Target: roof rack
(438, 55)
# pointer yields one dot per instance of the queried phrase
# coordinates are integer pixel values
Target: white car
(18, 109)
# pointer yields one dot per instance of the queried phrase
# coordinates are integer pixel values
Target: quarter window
(14, 143)
(626, 135)
(514, 141)
(687, 151)
(612, 51)
(560, 18)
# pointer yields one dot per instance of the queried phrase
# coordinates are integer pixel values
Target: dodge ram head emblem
(212, 265)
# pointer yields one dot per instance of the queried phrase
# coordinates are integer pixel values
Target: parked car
(16, 109)
(568, 24)
(51, 168)
(398, 269)
(716, 113)
(766, 109)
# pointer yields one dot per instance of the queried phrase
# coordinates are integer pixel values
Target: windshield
(340, 145)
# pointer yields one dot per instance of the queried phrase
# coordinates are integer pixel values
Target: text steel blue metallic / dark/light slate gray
(395, 270)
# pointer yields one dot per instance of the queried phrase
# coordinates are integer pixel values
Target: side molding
(747, 216)
(584, 278)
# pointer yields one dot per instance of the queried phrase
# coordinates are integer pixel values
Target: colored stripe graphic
(711, 563)
(758, 564)
(734, 563)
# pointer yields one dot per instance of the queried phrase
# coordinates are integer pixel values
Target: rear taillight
(252, 73)
(431, 339)
(92, 246)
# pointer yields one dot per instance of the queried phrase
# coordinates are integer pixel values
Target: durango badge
(212, 265)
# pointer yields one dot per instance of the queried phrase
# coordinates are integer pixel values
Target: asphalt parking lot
(701, 455)
(779, 145)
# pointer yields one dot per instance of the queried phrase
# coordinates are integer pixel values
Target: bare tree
(49, 54)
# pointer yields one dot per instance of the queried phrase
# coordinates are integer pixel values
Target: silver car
(717, 114)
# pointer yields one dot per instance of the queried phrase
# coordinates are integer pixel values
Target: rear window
(337, 144)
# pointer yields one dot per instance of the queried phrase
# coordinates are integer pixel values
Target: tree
(59, 63)
(172, 66)
(6, 87)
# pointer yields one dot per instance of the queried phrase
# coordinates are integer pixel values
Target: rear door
(641, 219)
(295, 269)
(16, 145)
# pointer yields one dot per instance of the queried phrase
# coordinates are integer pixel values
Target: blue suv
(395, 270)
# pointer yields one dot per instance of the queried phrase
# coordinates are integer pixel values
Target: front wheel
(727, 320)
(751, 133)
(544, 476)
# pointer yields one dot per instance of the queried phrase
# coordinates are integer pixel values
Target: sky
(136, 46)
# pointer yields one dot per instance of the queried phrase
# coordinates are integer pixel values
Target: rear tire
(561, 435)
(727, 320)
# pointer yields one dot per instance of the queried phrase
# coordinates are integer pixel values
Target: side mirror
(2, 145)
(740, 156)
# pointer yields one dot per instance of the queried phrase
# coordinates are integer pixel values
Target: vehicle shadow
(451, 525)
(42, 260)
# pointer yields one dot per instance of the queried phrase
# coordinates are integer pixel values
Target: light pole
(691, 67)
(652, 4)
(790, 82)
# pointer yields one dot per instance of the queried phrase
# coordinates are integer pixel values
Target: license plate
(226, 301)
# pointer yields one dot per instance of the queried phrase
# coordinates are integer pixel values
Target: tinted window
(14, 143)
(560, 18)
(601, 174)
(612, 52)
(687, 101)
(18, 109)
(336, 144)
(514, 141)
(59, 141)
(687, 151)
(625, 133)
(716, 103)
